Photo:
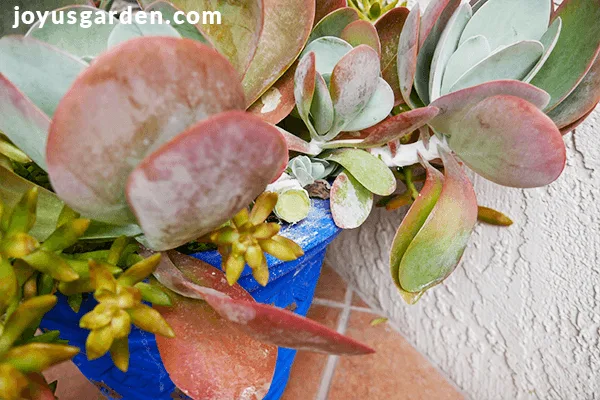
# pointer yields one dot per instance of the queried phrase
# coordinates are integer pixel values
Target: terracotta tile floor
(396, 372)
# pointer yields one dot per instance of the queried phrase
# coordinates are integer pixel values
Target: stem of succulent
(407, 154)
(410, 185)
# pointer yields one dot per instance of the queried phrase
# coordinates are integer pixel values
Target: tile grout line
(328, 371)
(336, 304)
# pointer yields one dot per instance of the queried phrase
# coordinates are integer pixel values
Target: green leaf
(362, 32)
(505, 22)
(334, 23)
(328, 50)
(407, 54)
(575, 52)
(73, 38)
(377, 109)
(42, 72)
(446, 46)
(351, 202)
(512, 62)
(185, 29)
(124, 32)
(322, 107)
(367, 169)
(549, 41)
(511, 142)
(469, 54)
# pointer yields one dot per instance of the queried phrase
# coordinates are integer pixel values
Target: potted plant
(125, 142)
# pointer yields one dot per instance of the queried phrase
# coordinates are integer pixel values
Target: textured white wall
(520, 317)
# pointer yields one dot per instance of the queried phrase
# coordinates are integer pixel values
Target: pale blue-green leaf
(81, 41)
(124, 32)
(512, 62)
(549, 41)
(186, 29)
(42, 72)
(321, 108)
(478, 4)
(504, 22)
(351, 202)
(466, 57)
(446, 47)
(329, 50)
(369, 170)
(377, 109)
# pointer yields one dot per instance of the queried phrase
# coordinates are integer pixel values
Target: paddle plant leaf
(286, 28)
(408, 48)
(74, 39)
(549, 41)
(581, 101)
(454, 106)
(328, 50)
(322, 106)
(575, 124)
(183, 82)
(185, 29)
(23, 122)
(351, 202)
(436, 249)
(180, 192)
(236, 38)
(295, 143)
(362, 32)
(264, 322)
(325, 7)
(353, 82)
(124, 32)
(415, 219)
(511, 142)
(445, 48)
(367, 169)
(575, 52)
(304, 88)
(377, 109)
(334, 23)
(504, 22)
(512, 62)
(205, 346)
(42, 72)
(389, 27)
(278, 101)
(469, 54)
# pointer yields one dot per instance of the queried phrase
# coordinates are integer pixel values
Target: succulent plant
(371, 10)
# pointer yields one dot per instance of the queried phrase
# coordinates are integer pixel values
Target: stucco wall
(520, 318)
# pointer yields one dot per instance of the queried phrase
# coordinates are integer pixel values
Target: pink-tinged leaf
(264, 322)
(25, 124)
(575, 52)
(434, 11)
(438, 246)
(236, 38)
(362, 32)
(39, 389)
(397, 126)
(286, 28)
(454, 106)
(277, 102)
(408, 49)
(575, 124)
(389, 27)
(414, 221)
(510, 142)
(581, 101)
(304, 87)
(334, 23)
(353, 82)
(297, 144)
(351, 202)
(114, 116)
(208, 358)
(203, 177)
(325, 7)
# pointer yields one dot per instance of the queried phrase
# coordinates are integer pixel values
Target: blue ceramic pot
(292, 284)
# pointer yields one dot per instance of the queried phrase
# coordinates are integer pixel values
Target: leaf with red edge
(203, 177)
(389, 27)
(414, 221)
(325, 7)
(114, 116)
(23, 122)
(454, 106)
(511, 142)
(295, 143)
(236, 38)
(208, 358)
(408, 48)
(264, 322)
(575, 124)
(277, 102)
(287, 25)
(304, 88)
(362, 32)
(334, 23)
(39, 388)
(436, 249)
(581, 101)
